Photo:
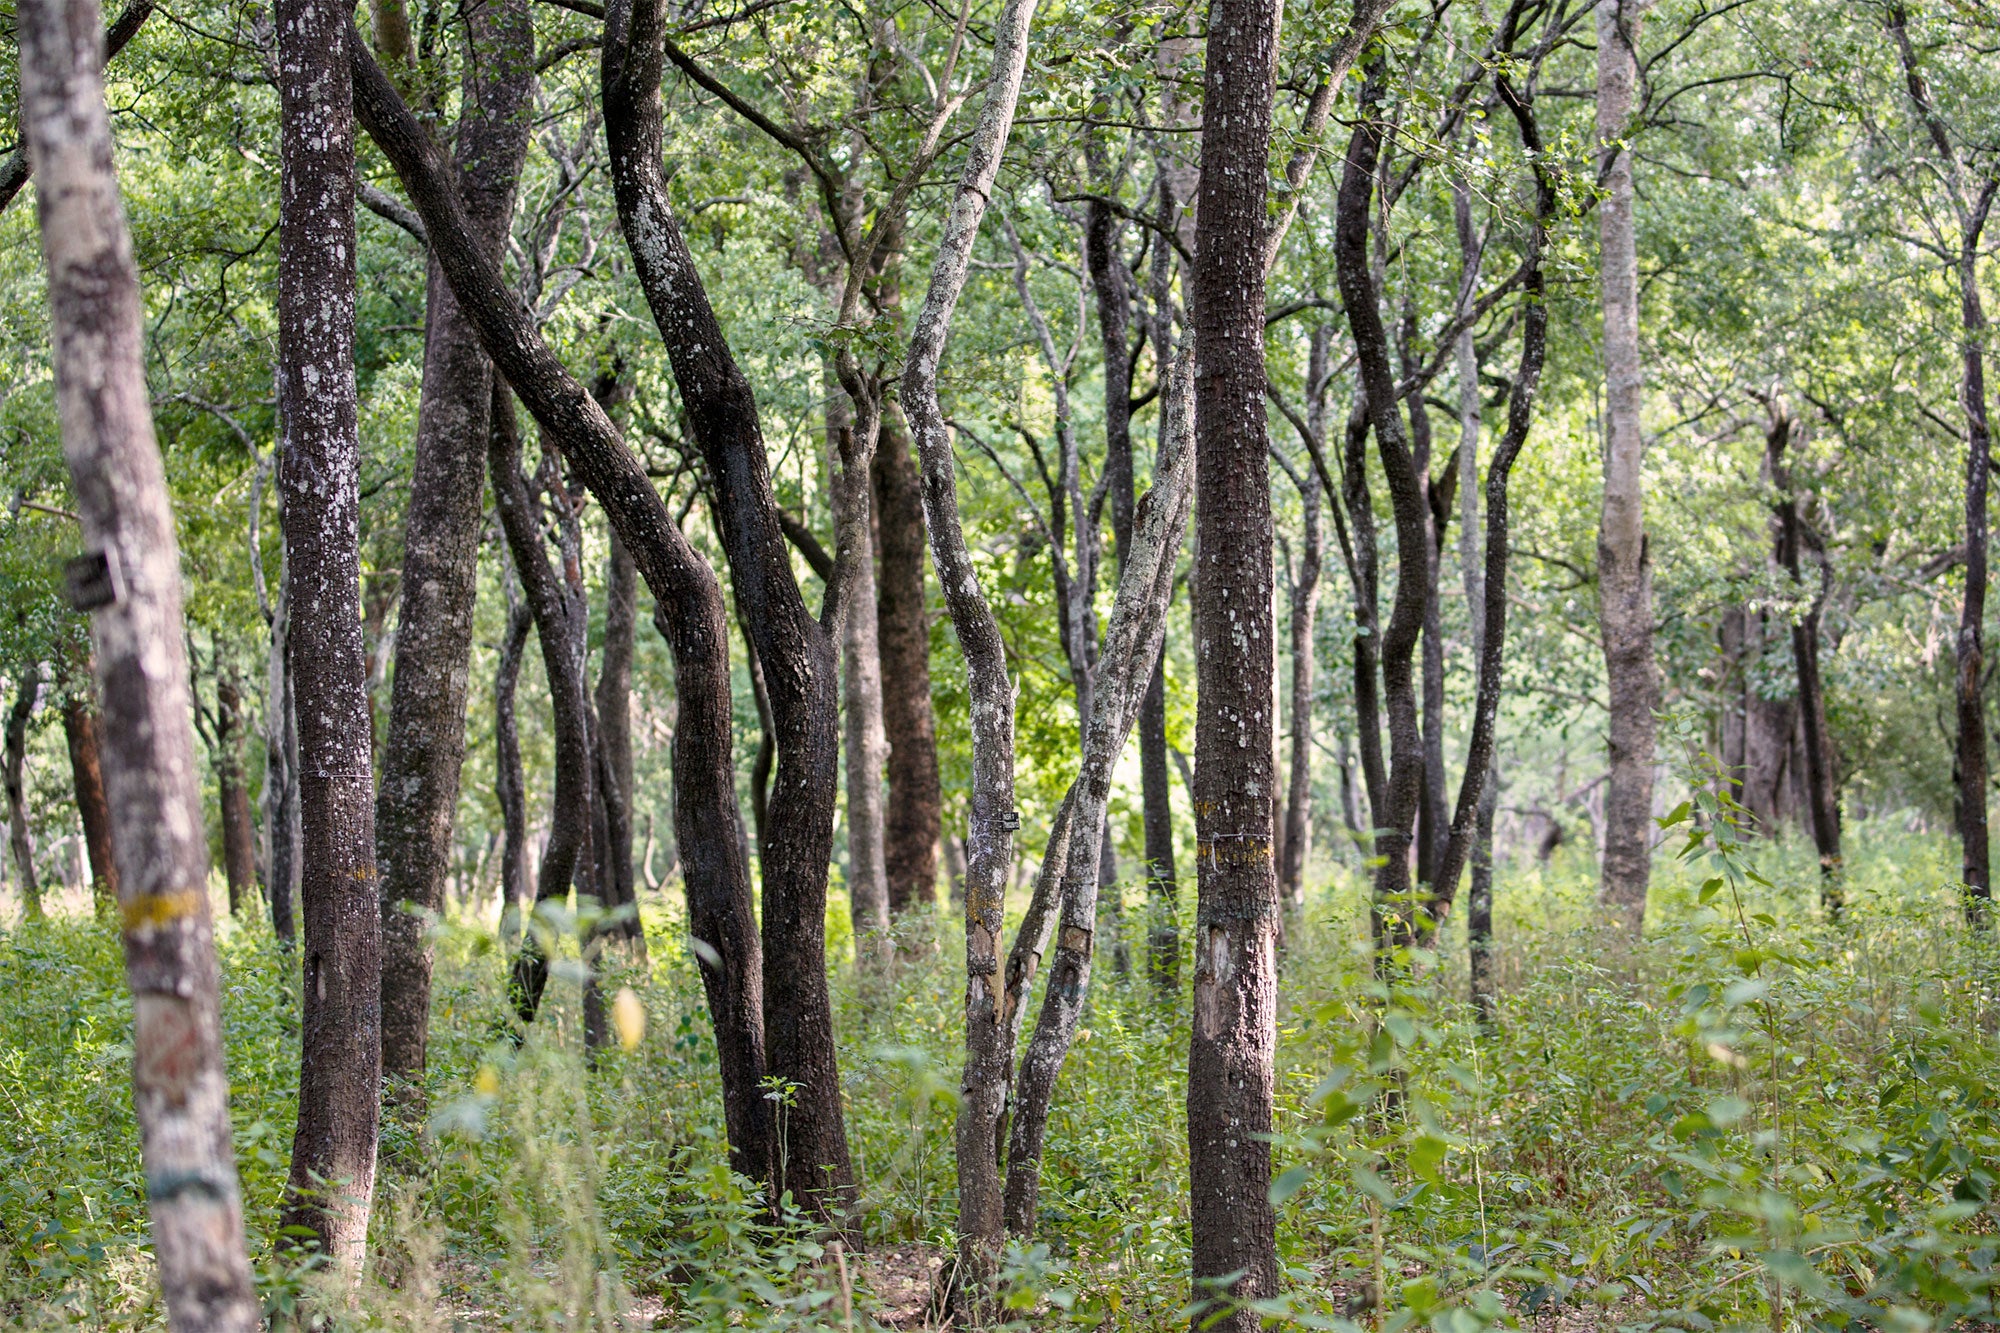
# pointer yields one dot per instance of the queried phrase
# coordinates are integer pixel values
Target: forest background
(1777, 1106)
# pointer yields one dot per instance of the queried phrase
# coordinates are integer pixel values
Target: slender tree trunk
(1624, 565)
(1232, 1047)
(1131, 644)
(862, 740)
(1479, 906)
(795, 651)
(614, 740)
(1163, 933)
(1822, 800)
(688, 613)
(993, 819)
(239, 834)
(554, 610)
(80, 730)
(132, 585)
(425, 746)
(516, 894)
(20, 842)
(1297, 841)
(1972, 210)
(281, 766)
(916, 799)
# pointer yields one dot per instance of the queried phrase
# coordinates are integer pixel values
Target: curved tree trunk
(795, 651)
(1624, 566)
(425, 746)
(333, 1152)
(180, 1091)
(688, 613)
(1233, 1043)
(990, 841)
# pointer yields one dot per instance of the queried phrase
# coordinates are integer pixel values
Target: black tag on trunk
(92, 580)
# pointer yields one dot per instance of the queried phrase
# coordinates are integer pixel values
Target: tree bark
(333, 1151)
(614, 742)
(20, 842)
(688, 613)
(795, 651)
(1822, 799)
(1131, 645)
(239, 833)
(916, 798)
(1624, 565)
(992, 818)
(281, 767)
(1970, 765)
(557, 630)
(80, 730)
(862, 740)
(1234, 1037)
(425, 747)
(516, 893)
(180, 1092)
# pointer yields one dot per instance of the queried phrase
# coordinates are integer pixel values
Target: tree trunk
(180, 1092)
(87, 777)
(1163, 932)
(795, 651)
(555, 613)
(1822, 800)
(1234, 1038)
(516, 894)
(992, 818)
(425, 747)
(688, 613)
(1624, 565)
(20, 842)
(861, 690)
(1479, 906)
(239, 834)
(281, 766)
(1297, 840)
(1131, 644)
(333, 1152)
(916, 799)
(614, 742)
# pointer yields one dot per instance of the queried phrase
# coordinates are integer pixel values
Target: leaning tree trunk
(131, 582)
(425, 748)
(1234, 1038)
(990, 842)
(1131, 645)
(20, 842)
(80, 731)
(239, 834)
(903, 632)
(795, 651)
(1624, 565)
(333, 1151)
(688, 613)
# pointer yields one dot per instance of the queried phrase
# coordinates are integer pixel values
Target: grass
(1753, 1118)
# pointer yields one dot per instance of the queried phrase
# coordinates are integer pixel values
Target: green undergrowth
(1756, 1118)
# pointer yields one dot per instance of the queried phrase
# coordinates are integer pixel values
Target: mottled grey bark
(425, 745)
(863, 741)
(1624, 565)
(614, 743)
(983, 1088)
(1131, 645)
(1234, 1036)
(180, 1090)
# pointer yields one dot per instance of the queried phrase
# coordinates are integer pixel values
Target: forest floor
(1753, 1118)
